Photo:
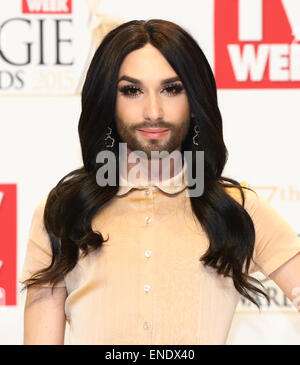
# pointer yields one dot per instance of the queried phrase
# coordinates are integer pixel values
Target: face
(152, 108)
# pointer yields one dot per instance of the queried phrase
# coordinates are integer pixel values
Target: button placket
(146, 289)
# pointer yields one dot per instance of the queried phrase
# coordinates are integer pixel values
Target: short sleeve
(275, 240)
(38, 252)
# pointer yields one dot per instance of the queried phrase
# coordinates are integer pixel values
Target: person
(141, 261)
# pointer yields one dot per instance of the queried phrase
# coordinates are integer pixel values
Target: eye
(130, 91)
(174, 89)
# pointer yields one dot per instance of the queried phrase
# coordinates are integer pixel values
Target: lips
(153, 133)
(153, 130)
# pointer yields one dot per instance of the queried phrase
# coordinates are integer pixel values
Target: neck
(149, 171)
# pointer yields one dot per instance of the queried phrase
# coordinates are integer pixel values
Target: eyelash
(125, 90)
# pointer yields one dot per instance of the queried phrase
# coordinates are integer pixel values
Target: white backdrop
(39, 142)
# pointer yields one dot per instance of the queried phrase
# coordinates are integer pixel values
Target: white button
(148, 220)
(146, 288)
(146, 325)
(148, 253)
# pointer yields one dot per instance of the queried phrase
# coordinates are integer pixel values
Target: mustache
(153, 125)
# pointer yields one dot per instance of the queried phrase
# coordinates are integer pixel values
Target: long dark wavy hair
(75, 200)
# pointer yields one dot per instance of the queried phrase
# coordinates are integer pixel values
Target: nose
(153, 110)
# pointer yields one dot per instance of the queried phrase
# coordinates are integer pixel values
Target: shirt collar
(173, 185)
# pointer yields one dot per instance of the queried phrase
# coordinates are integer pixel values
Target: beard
(137, 142)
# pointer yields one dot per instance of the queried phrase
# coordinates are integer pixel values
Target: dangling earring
(108, 136)
(197, 130)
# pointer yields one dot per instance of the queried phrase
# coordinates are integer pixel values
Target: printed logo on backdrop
(286, 197)
(257, 44)
(46, 45)
(8, 247)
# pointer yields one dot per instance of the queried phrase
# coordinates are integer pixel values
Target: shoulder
(40, 207)
(37, 221)
(251, 197)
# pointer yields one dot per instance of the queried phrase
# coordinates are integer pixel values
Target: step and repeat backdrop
(253, 47)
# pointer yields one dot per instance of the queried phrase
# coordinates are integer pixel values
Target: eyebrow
(139, 82)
